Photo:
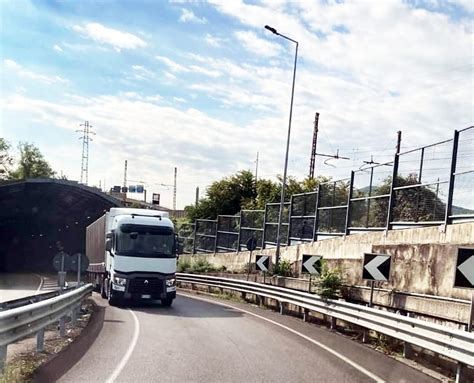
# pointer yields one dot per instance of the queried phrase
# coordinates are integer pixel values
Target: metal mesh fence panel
(334, 193)
(186, 237)
(272, 211)
(251, 226)
(372, 181)
(227, 232)
(303, 216)
(463, 192)
(421, 204)
(332, 220)
(369, 213)
(205, 235)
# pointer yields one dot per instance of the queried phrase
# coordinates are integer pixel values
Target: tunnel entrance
(39, 216)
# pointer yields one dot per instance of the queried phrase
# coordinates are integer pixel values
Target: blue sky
(202, 86)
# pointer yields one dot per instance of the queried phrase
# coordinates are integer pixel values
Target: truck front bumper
(144, 286)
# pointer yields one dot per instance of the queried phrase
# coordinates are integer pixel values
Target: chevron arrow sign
(376, 267)
(465, 268)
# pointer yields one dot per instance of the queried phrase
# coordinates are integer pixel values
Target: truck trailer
(133, 255)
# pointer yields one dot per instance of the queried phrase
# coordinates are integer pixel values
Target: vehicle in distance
(133, 255)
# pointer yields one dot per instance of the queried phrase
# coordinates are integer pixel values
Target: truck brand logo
(146, 281)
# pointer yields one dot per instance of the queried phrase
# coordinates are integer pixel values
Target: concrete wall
(423, 259)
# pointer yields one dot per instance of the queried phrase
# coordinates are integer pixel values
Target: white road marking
(41, 283)
(324, 347)
(131, 347)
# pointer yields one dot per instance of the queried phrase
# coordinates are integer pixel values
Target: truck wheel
(113, 300)
(167, 302)
(103, 293)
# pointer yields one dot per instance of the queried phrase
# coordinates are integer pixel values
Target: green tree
(31, 164)
(6, 160)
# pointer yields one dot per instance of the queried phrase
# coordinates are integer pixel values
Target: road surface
(198, 340)
(19, 285)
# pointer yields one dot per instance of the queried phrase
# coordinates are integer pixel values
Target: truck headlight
(120, 281)
(170, 282)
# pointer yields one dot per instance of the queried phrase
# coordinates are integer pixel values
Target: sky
(203, 87)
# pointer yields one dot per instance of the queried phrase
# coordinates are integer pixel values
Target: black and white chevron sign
(376, 267)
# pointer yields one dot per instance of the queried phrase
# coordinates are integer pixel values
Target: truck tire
(103, 293)
(113, 300)
(167, 302)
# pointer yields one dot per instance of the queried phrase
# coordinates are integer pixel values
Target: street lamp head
(273, 30)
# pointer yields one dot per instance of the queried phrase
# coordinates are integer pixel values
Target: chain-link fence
(433, 185)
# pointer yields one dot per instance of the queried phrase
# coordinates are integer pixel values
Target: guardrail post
(305, 315)
(460, 372)
(74, 316)
(333, 323)
(407, 349)
(40, 340)
(3, 357)
(62, 327)
(282, 309)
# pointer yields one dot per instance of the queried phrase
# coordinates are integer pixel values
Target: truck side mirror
(108, 244)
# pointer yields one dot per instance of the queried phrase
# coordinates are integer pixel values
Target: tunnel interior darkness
(40, 216)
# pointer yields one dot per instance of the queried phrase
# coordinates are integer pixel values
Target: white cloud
(22, 72)
(213, 41)
(57, 48)
(188, 16)
(179, 99)
(117, 39)
(172, 65)
(256, 45)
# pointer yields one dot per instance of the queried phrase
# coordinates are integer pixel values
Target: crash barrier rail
(20, 322)
(452, 343)
(14, 303)
(426, 186)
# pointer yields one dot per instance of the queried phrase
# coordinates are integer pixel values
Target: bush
(184, 264)
(202, 265)
(283, 268)
(329, 283)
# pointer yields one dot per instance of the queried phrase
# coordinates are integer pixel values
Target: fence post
(288, 241)
(391, 201)
(349, 204)
(194, 239)
(264, 225)
(316, 215)
(217, 234)
(240, 232)
(449, 203)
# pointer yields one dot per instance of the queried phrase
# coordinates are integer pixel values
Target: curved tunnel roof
(40, 216)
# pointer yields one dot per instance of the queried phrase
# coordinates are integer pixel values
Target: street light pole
(283, 186)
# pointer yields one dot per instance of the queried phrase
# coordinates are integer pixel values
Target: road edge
(62, 362)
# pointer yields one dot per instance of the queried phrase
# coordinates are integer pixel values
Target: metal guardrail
(20, 322)
(14, 303)
(452, 343)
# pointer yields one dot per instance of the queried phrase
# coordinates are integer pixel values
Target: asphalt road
(198, 341)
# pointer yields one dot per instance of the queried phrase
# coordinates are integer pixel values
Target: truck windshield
(145, 241)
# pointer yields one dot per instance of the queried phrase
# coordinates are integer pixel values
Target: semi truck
(133, 255)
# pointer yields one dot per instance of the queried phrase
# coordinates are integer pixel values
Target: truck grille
(146, 286)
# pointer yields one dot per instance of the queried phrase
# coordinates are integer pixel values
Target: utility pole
(197, 195)
(174, 188)
(256, 171)
(312, 162)
(125, 175)
(86, 132)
